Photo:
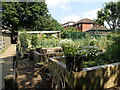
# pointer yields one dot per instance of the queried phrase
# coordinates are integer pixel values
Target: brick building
(83, 25)
(86, 25)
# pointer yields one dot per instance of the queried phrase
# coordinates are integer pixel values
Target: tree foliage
(71, 33)
(28, 15)
(110, 14)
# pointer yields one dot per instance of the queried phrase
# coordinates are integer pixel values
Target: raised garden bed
(42, 54)
(102, 76)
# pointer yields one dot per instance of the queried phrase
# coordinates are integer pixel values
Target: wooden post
(10, 83)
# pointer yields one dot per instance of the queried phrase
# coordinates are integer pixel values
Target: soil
(29, 76)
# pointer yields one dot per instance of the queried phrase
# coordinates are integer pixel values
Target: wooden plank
(41, 32)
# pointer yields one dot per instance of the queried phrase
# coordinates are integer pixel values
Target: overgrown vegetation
(107, 48)
(49, 43)
(113, 50)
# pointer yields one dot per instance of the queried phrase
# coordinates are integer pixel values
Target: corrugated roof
(41, 32)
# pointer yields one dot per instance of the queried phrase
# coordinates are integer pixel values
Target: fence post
(10, 83)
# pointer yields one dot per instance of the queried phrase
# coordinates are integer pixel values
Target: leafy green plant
(82, 41)
(92, 42)
(24, 43)
(34, 41)
(68, 47)
(75, 54)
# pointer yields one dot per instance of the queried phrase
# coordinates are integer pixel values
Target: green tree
(28, 15)
(110, 13)
(56, 26)
(72, 33)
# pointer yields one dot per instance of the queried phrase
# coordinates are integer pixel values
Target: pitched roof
(68, 22)
(85, 20)
(96, 27)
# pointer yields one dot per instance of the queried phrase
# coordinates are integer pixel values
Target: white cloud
(65, 7)
(90, 14)
(63, 4)
(91, 0)
(70, 18)
(54, 3)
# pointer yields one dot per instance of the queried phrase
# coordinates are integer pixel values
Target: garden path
(6, 62)
(29, 76)
(0, 74)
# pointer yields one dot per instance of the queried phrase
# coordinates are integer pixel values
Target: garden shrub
(92, 42)
(54, 36)
(76, 35)
(24, 41)
(34, 40)
(103, 42)
(82, 41)
(113, 51)
(43, 36)
(49, 43)
(71, 33)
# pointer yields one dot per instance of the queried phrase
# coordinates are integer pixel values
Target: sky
(74, 10)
